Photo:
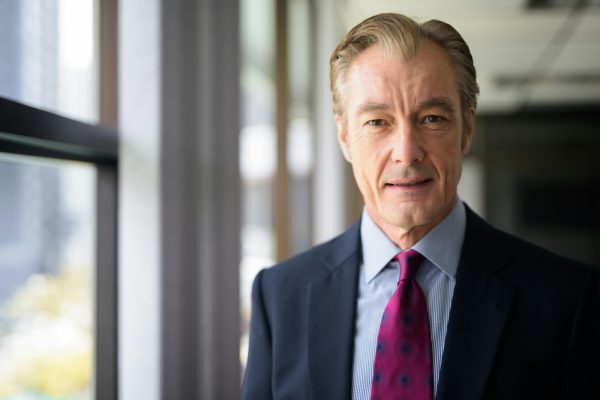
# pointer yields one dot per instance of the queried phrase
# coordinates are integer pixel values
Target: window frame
(26, 130)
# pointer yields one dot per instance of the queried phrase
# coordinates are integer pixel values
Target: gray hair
(399, 35)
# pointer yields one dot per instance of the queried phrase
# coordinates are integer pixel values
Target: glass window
(47, 253)
(49, 55)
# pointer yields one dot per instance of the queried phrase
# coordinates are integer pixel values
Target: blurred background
(155, 155)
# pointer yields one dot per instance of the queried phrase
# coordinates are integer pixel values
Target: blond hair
(401, 36)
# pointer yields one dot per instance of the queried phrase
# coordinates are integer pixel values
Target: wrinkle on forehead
(421, 81)
(392, 47)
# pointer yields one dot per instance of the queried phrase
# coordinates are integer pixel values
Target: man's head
(398, 35)
(404, 98)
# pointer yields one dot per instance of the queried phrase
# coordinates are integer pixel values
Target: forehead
(389, 79)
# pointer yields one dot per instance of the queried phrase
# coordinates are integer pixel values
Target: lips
(412, 183)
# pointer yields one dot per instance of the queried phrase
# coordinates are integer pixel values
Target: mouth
(408, 184)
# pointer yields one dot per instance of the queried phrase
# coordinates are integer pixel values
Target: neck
(406, 237)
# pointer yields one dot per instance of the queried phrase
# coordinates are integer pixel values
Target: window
(57, 256)
(49, 55)
(48, 278)
(57, 204)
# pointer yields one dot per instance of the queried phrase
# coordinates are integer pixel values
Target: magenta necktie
(403, 366)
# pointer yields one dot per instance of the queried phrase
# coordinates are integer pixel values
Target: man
(485, 315)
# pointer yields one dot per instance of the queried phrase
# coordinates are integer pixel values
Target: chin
(408, 216)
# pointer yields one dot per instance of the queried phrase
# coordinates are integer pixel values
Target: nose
(406, 145)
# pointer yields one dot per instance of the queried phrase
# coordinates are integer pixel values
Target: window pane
(49, 57)
(47, 286)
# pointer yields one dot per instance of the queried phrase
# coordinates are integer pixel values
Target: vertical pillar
(200, 192)
(329, 177)
(282, 178)
(140, 246)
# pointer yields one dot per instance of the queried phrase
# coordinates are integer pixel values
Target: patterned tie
(403, 366)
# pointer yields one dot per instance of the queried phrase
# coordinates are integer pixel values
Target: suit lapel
(331, 308)
(480, 308)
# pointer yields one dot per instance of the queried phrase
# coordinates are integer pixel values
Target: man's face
(403, 133)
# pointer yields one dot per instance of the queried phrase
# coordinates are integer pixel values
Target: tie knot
(409, 261)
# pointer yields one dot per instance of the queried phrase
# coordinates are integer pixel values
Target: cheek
(363, 170)
(370, 157)
(454, 171)
(366, 170)
(448, 164)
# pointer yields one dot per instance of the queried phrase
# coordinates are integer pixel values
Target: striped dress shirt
(377, 282)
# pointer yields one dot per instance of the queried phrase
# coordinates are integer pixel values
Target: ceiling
(525, 57)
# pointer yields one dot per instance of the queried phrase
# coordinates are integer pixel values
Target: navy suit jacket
(524, 323)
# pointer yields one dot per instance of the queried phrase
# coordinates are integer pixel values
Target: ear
(342, 136)
(469, 128)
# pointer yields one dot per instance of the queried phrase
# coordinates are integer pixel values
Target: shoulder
(284, 286)
(529, 261)
(316, 261)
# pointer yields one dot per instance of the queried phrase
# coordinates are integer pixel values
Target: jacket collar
(480, 308)
(331, 314)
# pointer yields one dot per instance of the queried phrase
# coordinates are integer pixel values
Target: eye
(433, 119)
(376, 122)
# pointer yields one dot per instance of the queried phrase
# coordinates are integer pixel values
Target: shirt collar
(442, 245)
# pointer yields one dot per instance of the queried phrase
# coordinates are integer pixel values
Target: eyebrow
(441, 102)
(371, 107)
